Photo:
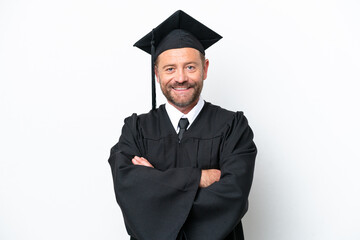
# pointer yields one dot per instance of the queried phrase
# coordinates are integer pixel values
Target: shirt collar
(175, 114)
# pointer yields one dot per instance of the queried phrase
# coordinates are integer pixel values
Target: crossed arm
(208, 176)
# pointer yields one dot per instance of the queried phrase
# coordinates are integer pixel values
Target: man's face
(181, 73)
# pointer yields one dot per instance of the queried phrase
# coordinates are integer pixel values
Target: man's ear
(206, 67)
(156, 73)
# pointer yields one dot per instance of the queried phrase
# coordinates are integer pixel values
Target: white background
(69, 76)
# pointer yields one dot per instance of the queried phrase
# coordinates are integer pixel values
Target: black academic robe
(165, 202)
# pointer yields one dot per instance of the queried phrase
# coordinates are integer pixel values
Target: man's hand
(209, 176)
(141, 161)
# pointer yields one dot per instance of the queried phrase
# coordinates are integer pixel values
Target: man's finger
(141, 161)
(135, 162)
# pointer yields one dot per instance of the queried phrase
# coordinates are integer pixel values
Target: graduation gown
(165, 202)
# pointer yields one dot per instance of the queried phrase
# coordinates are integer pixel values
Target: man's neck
(175, 114)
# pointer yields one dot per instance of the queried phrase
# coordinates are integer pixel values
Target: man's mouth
(180, 88)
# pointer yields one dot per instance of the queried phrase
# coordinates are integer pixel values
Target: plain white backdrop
(69, 76)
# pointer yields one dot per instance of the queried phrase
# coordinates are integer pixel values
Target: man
(183, 171)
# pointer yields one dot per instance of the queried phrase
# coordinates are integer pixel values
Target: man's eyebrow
(173, 64)
(194, 63)
(168, 65)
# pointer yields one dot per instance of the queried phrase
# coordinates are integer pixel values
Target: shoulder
(215, 121)
(223, 115)
(235, 129)
(136, 120)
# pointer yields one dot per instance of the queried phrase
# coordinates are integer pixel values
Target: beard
(178, 99)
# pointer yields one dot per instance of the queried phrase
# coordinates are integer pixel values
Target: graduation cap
(178, 31)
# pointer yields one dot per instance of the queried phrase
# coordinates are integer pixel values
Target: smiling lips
(180, 88)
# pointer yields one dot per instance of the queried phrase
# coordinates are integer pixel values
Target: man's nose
(181, 76)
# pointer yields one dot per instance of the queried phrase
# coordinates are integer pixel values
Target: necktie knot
(183, 124)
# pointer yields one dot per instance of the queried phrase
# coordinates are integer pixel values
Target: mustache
(183, 85)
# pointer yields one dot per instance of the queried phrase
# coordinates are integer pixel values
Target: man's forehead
(178, 55)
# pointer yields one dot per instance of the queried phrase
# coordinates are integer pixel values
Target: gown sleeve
(218, 209)
(154, 203)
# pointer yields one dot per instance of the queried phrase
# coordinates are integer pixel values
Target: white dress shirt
(175, 115)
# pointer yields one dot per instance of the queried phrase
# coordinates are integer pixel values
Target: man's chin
(183, 103)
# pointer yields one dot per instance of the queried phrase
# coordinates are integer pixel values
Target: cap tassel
(153, 86)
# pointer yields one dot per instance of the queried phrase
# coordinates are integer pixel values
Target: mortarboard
(178, 31)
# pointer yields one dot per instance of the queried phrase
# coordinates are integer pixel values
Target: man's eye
(169, 69)
(190, 67)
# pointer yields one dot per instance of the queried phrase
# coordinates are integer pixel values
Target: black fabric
(178, 20)
(178, 38)
(165, 202)
(183, 124)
